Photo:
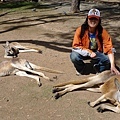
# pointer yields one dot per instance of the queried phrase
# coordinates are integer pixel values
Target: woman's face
(93, 22)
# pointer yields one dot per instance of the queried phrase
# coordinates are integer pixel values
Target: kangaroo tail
(100, 78)
(74, 82)
(50, 70)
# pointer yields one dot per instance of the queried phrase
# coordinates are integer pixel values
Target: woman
(91, 40)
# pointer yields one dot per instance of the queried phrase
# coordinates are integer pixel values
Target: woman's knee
(103, 58)
(74, 56)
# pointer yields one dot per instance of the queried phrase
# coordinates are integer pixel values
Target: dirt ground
(52, 30)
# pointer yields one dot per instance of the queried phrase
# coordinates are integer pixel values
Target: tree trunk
(75, 6)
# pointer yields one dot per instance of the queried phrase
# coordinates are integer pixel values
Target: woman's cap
(94, 13)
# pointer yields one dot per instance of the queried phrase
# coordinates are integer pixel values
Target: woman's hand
(114, 70)
(92, 55)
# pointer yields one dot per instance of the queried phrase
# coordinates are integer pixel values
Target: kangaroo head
(10, 52)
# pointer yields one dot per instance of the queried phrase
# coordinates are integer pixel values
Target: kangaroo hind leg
(23, 73)
(57, 89)
(60, 91)
(24, 68)
(97, 90)
(104, 107)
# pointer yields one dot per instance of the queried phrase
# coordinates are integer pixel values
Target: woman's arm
(112, 62)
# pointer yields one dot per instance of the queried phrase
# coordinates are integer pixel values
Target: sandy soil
(52, 30)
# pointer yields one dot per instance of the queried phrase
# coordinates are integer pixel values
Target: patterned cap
(94, 13)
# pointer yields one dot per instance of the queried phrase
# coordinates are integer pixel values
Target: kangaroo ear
(117, 84)
(7, 43)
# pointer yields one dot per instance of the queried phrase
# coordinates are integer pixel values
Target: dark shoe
(77, 73)
(96, 67)
(80, 73)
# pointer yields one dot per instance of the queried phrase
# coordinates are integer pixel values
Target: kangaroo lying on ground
(14, 48)
(22, 67)
(110, 89)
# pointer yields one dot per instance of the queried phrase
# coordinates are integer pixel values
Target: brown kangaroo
(110, 89)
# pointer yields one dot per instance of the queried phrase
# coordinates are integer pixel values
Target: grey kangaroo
(14, 48)
(22, 67)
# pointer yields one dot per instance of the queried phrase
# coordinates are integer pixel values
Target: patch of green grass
(24, 5)
(19, 5)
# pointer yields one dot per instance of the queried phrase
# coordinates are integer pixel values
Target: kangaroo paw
(57, 96)
(39, 84)
(40, 51)
(91, 104)
(99, 109)
(54, 90)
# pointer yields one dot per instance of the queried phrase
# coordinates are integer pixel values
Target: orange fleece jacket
(84, 42)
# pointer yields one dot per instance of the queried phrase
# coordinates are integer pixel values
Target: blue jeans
(101, 59)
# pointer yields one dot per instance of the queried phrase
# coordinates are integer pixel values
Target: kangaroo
(22, 67)
(14, 48)
(110, 89)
